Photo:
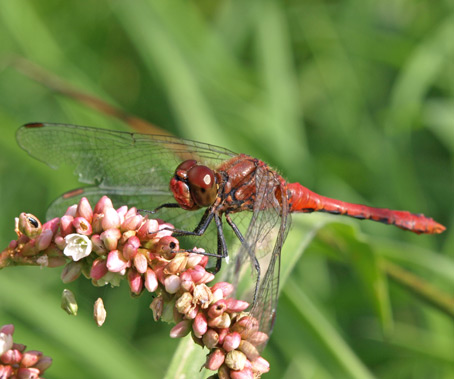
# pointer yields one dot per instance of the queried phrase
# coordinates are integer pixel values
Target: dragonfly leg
(166, 205)
(222, 246)
(254, 259)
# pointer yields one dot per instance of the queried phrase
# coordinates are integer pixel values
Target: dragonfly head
(194, 186)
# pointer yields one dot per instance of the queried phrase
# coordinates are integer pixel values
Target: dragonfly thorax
(194, 186)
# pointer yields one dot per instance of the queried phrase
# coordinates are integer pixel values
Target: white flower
(77, 247)
(6, 342)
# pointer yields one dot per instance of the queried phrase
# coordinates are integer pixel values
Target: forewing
(113, 159)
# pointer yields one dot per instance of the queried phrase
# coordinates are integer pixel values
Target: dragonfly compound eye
(202, 184)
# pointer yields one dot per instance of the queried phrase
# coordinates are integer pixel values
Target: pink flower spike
(84, 210)
(52, 225)
(82, 226)
(104, 202)
(111, 219)
(130, 247)
(116, 262)
(44, 239)
(181, 329)
(151, 282)
(30, 358)
(135, 282)
(231, 341)
(71, 211)
(66, 225)
(172, 284)
(215, 359)
(226, 288)
(98, 269)
(200, 325)
(110, 238)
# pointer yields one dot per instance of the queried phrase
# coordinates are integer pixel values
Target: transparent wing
(113, 159)
(264, 238)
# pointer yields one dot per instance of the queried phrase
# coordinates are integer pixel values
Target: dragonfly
(202, 187)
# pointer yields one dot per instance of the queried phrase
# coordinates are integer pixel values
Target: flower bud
(172, 284)
(236, 306)
(66, 225)
(210, 338)
(116, 262)
(7, 329)
(84, 210)
(226, 288)
(186, 281)
(140, 263)
(71, 211)
(44, 239)
(43, 364)
(181, 329)
(98, 269)
(148, 230)
(135, 282)
(110, 238)
(98, 245)
(215, 359)
(52, 225)
(193, 260)
(104, 202)
(200, 325)
(71, 272)
(111, 219)
(132, 223)
(245, 373)
(231, 341)
(30, 358)
(96, 223)
(122, 213)
(258, 338)
(151, 281)
(260, 365)
(177, 264)
(249, 350)
(235, 360)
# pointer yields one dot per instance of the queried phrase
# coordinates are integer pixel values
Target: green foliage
(352, 99)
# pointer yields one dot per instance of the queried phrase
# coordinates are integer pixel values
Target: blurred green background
(353, 99)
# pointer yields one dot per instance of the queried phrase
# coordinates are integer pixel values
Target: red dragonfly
(208, 183)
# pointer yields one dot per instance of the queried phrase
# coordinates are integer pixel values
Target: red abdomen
(302, 199)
